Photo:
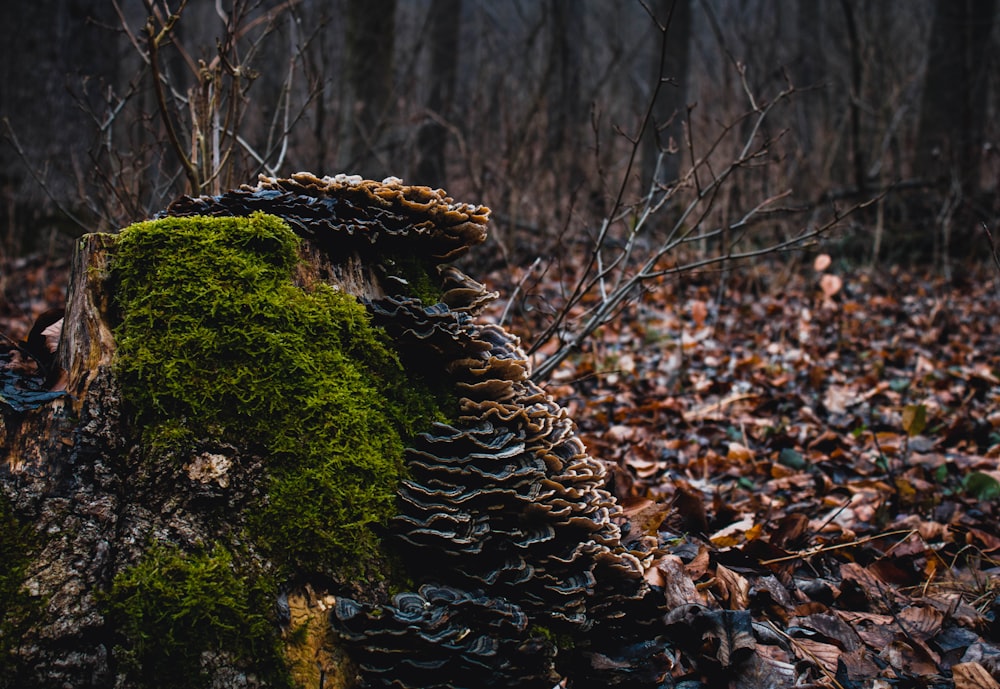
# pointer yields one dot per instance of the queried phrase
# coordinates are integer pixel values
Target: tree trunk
(568, 111)
(857, 151)
(663, 140)
(950, 136)
(218, 499)
(370, 40)
(444, 18)
(100, 501)
(48, 50)
(810, 110)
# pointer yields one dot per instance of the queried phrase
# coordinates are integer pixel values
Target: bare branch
(153, 40)
(610, 279)
(606, 310)
(40, 180)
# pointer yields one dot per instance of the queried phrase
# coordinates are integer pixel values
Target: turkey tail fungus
(290, 453)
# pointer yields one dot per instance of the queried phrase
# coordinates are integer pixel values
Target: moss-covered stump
(288, 455)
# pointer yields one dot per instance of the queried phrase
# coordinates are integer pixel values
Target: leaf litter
(818, 467)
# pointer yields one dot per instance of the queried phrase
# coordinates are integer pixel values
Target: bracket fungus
(503, 521)
(345, 210)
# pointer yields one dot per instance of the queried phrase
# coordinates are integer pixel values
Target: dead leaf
(739, 453)
(821, 653)
(645, 516)
(52, 335)
(972, 676)
(914, 419)
(735, 532)
(830, 284)
(821, 263)
(734, 587)
(729, 632)
(761, 671)
(699, 312)
(912, 658)
(668, 572)
(921, 621)
(698, 566)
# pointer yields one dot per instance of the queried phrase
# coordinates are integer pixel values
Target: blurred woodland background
(582, 123)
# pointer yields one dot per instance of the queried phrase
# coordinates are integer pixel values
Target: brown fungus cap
(332, 211)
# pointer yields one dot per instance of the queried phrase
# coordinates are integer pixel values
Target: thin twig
(810, 552)
(154, 39)
(583, 284)
(11, 136)
(604, 310)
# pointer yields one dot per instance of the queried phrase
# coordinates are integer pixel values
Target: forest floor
(822, 457)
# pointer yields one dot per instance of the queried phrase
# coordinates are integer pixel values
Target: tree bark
(952, 110)
(370, 40)
(663, 140)
(76, 472)
(444, 18)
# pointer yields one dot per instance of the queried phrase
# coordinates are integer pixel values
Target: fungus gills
(507, 503)
(503, 519)
(347, 212)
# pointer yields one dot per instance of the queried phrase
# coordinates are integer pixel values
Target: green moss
(17, 543)
(217, 341)
(173, 607)
(561, 641)
(415, 276)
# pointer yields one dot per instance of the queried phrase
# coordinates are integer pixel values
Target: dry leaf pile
(820, 469)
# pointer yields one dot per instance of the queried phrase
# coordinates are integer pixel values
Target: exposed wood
(87, 345)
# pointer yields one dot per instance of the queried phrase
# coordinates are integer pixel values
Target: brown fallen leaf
(823, 654)
(739, 453)
(830, 284)
(699, 312)
(645, 516)
(972, 676)
(734, 587)
(669, 574)
(921, 621)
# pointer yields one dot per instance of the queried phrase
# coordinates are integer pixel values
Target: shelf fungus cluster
(346, 212)
(504, 522)
(506, 501)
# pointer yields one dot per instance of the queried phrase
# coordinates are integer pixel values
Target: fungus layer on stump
(501, 521)
(502, 506)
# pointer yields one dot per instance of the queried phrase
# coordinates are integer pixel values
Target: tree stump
(288, 454)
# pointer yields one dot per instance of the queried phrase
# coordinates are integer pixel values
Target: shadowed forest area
(752, 245)
(556, 114)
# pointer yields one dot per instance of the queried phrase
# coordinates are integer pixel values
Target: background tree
(443, 20)
(543, 99)
(954, 103)
(664, 136)
(52, 60)
(568, 112)
(370, 39)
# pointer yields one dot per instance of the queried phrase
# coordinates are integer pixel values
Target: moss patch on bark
(217, 341)
(179, 611)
